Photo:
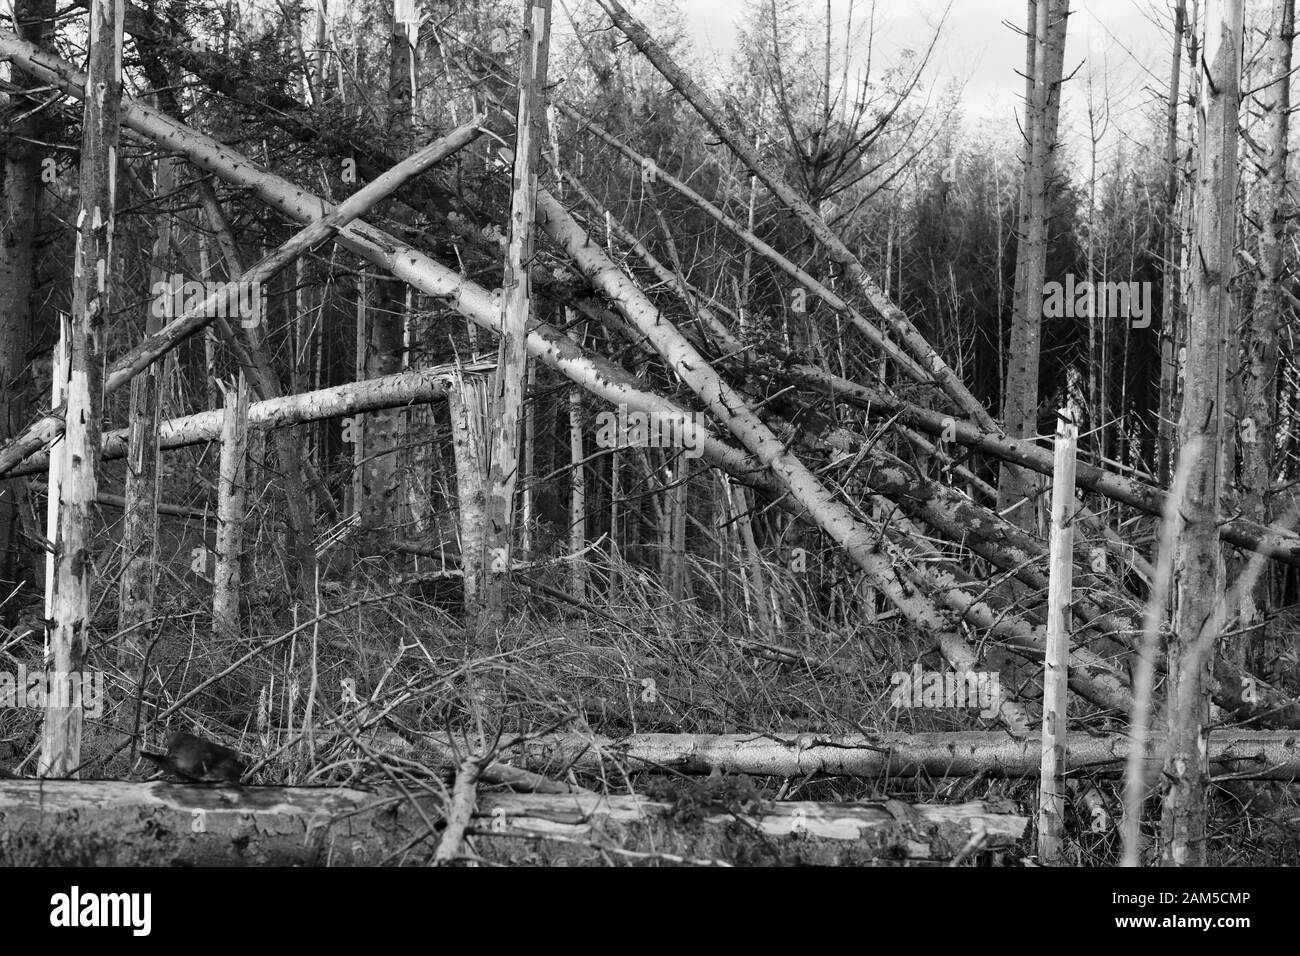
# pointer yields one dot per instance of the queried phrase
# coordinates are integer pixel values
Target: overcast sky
(1125, 42)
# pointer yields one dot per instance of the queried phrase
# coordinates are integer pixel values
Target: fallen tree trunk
(600, 377)
(833, 517)
(873, 334)
(392, 391)
(896, 320)
(116, 823)
(1251, 535)
(324, 222)
(1247, 755)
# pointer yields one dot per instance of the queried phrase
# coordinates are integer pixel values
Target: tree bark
(380, 477)
(1171, 296)
(1256, 755)
(20, 193)
(507, 401)
(1257, 427)
(163, 824)
(577, 498)
(140, 519)
(468, 400)
(92, 278)
(1018, 490)
(1198, 561)
(231, 487)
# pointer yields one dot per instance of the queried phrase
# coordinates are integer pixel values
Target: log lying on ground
(1249, 755)
(886, 830)
(116, 823)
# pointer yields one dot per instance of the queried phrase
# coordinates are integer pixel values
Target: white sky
(1125, 43)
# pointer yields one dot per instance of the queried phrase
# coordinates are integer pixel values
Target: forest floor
(399, 660)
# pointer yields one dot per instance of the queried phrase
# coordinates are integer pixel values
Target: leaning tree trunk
(92, 274)
(598, 376)
(1198, 561)
(323, 221)
(896, 320)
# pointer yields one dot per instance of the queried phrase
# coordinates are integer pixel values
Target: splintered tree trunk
(669, 522)
(1056, 664)
(529, 495)
(19, 208)
(516, 303)
(615, 517)
(676, 538)
(753, 587)
(54, 467)
(231, 487)
(209, 335)
(91, 276)
(1172, 284)
(577, 497)
(1258, 419)
(1020, 400)
(1198, 561)
(140, 516)
(356, 429)
(1186, 221)
(467, 400)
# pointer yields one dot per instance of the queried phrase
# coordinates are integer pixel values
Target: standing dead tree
(507, 401)
(74, 558)
(1198, 560)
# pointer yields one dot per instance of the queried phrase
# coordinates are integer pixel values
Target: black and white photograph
(649, 434)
